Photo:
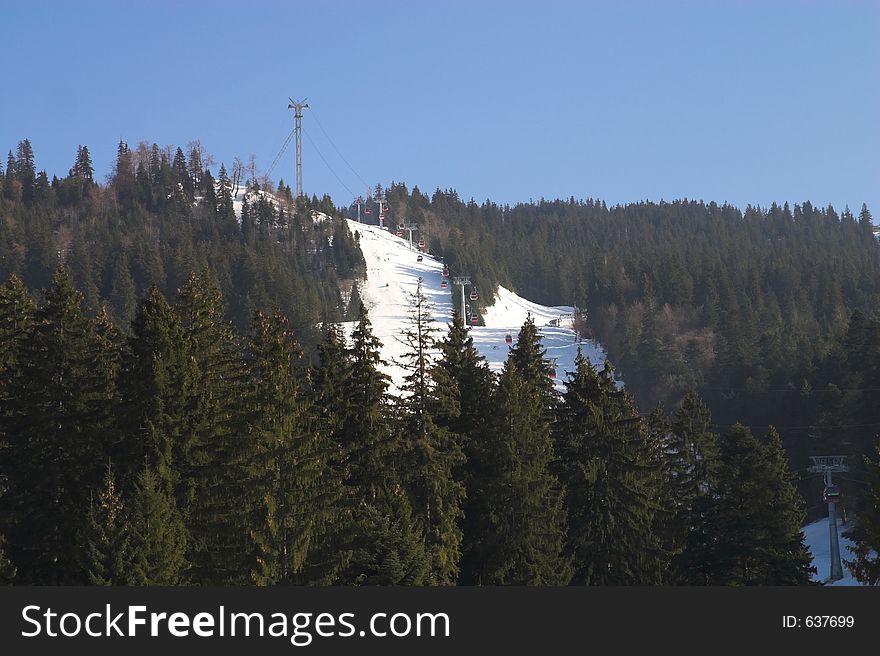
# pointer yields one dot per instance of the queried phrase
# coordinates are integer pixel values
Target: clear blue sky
(746, 102)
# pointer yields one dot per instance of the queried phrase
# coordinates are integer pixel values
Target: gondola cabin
(474, 320)
(508, 339)
(445, 272)
(399, 233)
(444, 284)
(421, 244)
(831, 494)
(474, 295)
(419, 258)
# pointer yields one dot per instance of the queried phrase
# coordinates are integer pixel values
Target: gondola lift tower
(297, 108)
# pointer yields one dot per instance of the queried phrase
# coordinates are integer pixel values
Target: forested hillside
(162, 215)
(769, 313)
(176, 451)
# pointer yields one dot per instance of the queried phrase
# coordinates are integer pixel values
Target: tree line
(769, 313)
(162, 214)
(181, 451)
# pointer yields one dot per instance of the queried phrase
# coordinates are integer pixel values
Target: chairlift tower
(381, 202)
(297, 108)
(411, 228)
(463, 281)
(826, 465)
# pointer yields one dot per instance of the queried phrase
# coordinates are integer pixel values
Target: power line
(281, 152)
(323, 159)
(315, 116)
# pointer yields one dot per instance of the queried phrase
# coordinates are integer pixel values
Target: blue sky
(745, 102)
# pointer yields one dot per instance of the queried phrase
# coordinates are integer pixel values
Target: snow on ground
(392, 275)
(818, 539)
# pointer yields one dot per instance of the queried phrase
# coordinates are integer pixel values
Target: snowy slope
(392, 274)
(818, 540)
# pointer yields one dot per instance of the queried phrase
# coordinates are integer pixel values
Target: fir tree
(157, 382)
(865, 566)
(286, 462)
(158, 534)
(462, 405)
(692, 456)
(787, 561)
(217, 508)
(521, 539)
(60, 428)
(607, 465)
(105, 542)
(389, 548)
(756, 517)
(433, 452)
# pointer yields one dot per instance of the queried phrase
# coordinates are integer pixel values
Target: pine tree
(865, 566)
(522, 534)
(388, 548)
(433, 453)
(756, 518)
(609, 469)
(287, 464)
(692, 457)
(217, 508)
(59, 428)
(788, 560)
(157, 383)
(158, 534)
(105, 543)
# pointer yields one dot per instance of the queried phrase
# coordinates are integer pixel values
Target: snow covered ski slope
(393, 273)
(817, 538)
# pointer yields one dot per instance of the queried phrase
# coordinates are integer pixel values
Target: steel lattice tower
(297, 108)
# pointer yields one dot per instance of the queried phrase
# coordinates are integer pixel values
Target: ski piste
(393, 271)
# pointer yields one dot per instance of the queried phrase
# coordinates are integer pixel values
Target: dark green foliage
(745, 306)
(521, 537)
(216, 510)
(157, 384)
(608, 467)
(462, 405)
(756, 516)
(107, 554)
(158, 534)
(865, 565)
(692, 468)
(301, 495)
(57, 422)
(433, 453)
(157, 221)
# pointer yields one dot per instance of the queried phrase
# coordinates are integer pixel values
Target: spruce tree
(865, 565)
(787, 560)
(433, 453)
(158, 534)
(106, 553)
(389, 548)
(330, 549)
(521, 537)
(157, 383)
(286, 463)
(217, 509)
(463, 406)
(692, 457)
(609, 469)
(756, 518)
(60, 429)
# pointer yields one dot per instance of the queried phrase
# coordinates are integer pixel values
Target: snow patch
(818, 538)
